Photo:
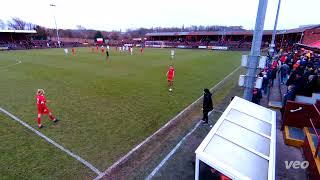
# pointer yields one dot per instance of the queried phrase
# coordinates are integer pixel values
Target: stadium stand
(301, 102)
(23, 39)
(220, 40)
(15, 39)
(235, 40)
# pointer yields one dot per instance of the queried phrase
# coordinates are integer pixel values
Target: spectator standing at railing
(296, 65)
(311, 85)
(274, 71)
(283, 59)
(284, 70)
(291, 78)
(256, 96)
(308, 72)
(275, 63)
(301, 70)
(265, 82)
(290, 64)
(290, 95)
(304, 62)
(261, 73)
(290, 56)
(299, 83)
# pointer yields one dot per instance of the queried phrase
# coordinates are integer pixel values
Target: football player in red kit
(73, 51)
(97, 48)
(42, 108)
(102, 50)
(170, 76)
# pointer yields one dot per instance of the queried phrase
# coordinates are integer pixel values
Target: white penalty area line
(3, 67)
(86, 163)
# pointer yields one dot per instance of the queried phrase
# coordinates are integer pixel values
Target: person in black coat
(273, 74)
(290, 95)
(261, 73)
(265, 82)
(284, 69)
(310, 85)
(256, 96)
(291, 78)
(207, 105)
(299, 84)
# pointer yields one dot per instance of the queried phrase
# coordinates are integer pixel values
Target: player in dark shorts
(108, 55)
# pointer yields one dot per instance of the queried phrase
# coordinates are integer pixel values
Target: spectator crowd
(298, 69)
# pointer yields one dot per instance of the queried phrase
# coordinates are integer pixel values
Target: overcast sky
(124, 14)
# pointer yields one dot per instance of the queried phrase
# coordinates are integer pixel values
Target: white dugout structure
(242, 144)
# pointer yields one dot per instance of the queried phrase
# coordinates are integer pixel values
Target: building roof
(314, 47)
(242, 143)
(18, 31)
(207, 33)
(298, 30)
(243, 32)
(315, 44)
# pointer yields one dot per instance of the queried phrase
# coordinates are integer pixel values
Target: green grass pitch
(106, 108)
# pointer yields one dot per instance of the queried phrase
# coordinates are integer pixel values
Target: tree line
(81, 32)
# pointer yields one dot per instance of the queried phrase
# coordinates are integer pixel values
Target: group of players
(120, 49)
(40, 94)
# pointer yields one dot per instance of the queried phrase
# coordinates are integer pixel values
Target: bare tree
(79, 27)
(42, 33)
(17, 24)
(2, 24)
(30, 26)
(83, 31)
(115, 35)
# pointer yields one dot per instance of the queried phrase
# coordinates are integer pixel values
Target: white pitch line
(159, 130)
(86, 163)
(3, 67)
(218, 111)
(168, 156)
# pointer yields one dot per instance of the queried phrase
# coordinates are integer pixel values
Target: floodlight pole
(272, 45)
(282, 37)
(255, 50)
(54, 17)
(300, 41)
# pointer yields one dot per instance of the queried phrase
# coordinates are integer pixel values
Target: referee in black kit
(107, 52)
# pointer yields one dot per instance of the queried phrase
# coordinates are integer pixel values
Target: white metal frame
(18, 31)
(225, 169)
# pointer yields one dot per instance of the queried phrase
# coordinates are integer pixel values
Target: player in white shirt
(172, 54)
(131, 50)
